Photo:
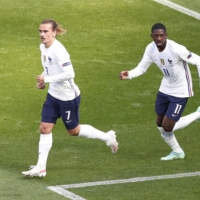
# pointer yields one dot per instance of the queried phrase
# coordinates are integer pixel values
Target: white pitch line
(179, 8)
(65, 193)
(61, 189)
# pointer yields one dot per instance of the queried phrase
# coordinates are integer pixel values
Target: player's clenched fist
(123, 75)
(40, 79)
(40, 85)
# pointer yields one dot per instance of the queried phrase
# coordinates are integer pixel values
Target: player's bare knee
(167, 128)
(159, 124)
(73, 132)
(43, 129)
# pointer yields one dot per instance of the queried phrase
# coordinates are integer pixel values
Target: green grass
(195, 5)
(162, 189)
(103, 38)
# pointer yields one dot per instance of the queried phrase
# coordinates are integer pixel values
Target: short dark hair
(158, 26)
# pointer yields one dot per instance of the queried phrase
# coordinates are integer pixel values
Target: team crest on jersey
(170, 62)
(162, 61)
(44, 58)
(50, 60)
(190, 55)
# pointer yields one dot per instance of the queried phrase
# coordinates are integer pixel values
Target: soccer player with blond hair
(63, 98)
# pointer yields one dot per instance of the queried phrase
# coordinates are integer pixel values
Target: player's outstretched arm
(123, 75)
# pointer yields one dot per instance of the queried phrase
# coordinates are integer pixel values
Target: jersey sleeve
(142, 66)
(189, 57)
(60, 77)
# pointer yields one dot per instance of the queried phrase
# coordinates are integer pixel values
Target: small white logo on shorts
(68, 121)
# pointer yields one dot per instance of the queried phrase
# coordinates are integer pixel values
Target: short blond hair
(55, 26)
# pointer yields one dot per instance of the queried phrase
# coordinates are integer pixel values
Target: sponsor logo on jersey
(66, 64)
(44, 58)
(162, 61)
(190, 55)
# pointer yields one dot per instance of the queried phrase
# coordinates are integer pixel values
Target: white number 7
(68, 114)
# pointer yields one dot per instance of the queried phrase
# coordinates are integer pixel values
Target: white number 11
(178, 108)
